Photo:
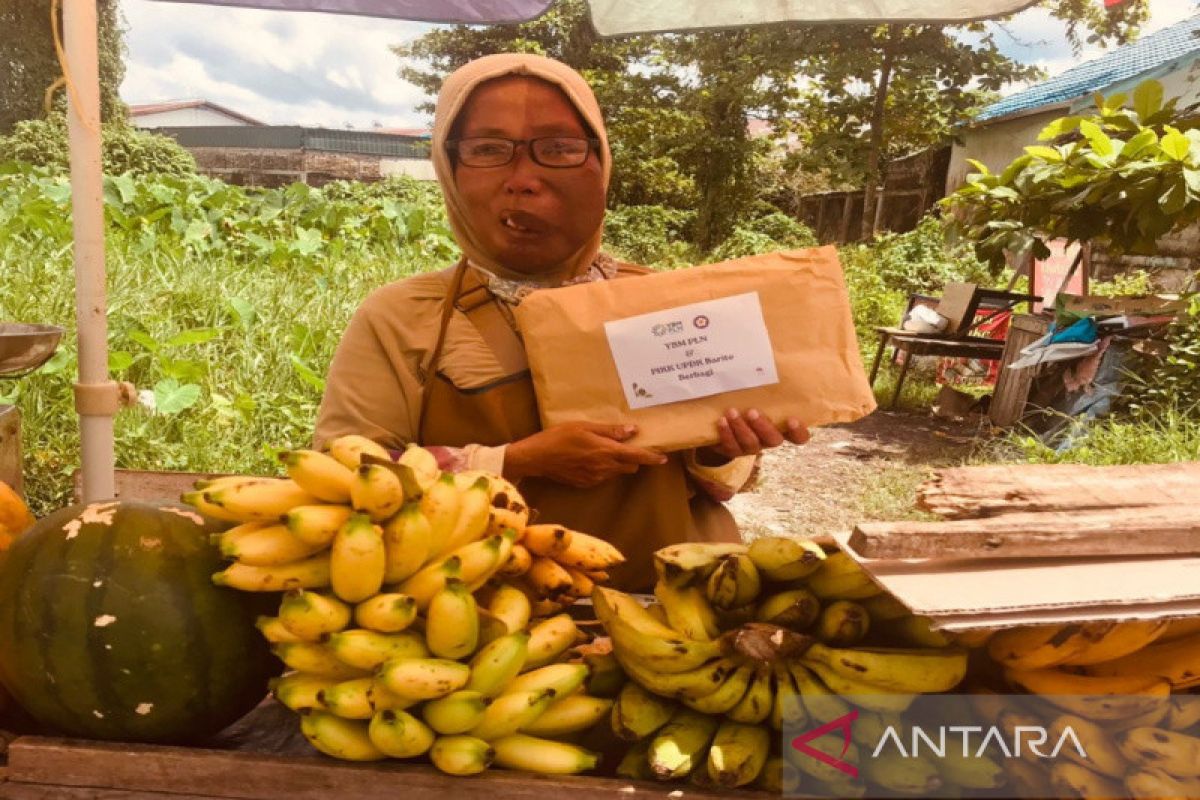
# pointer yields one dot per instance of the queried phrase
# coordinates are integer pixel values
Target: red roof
(179, 105)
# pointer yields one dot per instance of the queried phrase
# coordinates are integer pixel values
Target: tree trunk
(874, 175)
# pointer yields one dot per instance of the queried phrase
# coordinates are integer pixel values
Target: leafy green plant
(1122, 177)
(1172, 380)
(225, 306)
(649, 235)
(43, 142)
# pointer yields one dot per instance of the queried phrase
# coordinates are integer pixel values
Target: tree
(29, 64)
(1122, 177)
(879, 92)
(678, 104)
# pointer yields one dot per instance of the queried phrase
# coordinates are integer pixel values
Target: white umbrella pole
(96, 397)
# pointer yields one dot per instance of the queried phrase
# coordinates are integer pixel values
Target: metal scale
(24, 347)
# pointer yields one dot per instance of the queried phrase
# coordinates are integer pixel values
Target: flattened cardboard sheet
(982, 593)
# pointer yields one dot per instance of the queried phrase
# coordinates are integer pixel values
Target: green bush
(43, 143)
(650, 235)
(922, 261)
(782, 229)
(1173, 380)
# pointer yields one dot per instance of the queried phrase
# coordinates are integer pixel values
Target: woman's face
(530, 218)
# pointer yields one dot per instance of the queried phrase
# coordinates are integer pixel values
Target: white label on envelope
(692, 351)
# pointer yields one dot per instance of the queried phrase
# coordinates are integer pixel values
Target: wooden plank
(985, 491)
(134, 484)
(1012, 385)
(35, 791)
(1156, 530)
(10, 448)
(230, 775)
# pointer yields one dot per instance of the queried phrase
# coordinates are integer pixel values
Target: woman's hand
(749, 433)
(579, 454)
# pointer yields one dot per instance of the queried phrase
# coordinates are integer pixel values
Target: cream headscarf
(455, 91)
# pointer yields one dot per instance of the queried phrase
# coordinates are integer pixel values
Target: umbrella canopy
(97, 397)
(625, 17)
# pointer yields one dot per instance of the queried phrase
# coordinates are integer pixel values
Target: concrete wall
(995, 144)
(275, 167)
(185, 117)
(421, 169)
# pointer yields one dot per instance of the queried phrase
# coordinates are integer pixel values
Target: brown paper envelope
(807, 315)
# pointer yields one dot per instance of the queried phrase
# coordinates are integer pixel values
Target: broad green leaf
(145, 340)
(1191, 177)
(307, 241)
(125, 186)
(197, 231)
(57, 363)
(119, 360)
(979, 167)
(307, 374)
(171, 396)
(193, 336)
(1147, 99)
(244, 310)
(1175, 145)
(1058, 127)
(1099, 141)
(1115, 101)
(1139, 144)
(1044, 152)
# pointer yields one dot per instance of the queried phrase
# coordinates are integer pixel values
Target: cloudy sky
(337, 71)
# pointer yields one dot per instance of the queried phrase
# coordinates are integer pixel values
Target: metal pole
(96, 395)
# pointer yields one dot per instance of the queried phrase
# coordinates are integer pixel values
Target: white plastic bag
(923, 319)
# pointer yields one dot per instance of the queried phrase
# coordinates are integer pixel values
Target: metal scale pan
(26, 346)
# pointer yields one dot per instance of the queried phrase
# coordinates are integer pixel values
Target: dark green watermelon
(111, 627)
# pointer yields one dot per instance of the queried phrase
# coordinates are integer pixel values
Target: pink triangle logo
(844, 724)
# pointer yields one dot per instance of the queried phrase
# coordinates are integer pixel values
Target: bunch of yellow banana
(434, 685)
(555, 566)
(411, 624)
(741, 638)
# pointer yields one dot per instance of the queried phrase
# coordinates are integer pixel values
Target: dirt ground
(851, 473)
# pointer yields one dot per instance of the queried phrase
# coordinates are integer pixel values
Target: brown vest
(639, 513)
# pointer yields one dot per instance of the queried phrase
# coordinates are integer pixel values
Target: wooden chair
(959, 304)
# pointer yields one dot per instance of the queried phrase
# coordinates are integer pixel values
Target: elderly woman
(522, 157)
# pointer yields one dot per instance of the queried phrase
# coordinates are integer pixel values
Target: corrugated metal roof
(1148, 54)
(178, 105)
(293, 137)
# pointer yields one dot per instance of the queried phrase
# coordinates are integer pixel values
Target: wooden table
(916, 344)
(64, 769)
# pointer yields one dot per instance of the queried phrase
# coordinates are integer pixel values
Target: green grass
(892, 495)
(1162, 437)
(273, 331)
(226, 305)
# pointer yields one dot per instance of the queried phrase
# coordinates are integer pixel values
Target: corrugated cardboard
(807, 315)
(986, 593)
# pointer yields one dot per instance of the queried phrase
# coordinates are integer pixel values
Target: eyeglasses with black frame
(557, 152)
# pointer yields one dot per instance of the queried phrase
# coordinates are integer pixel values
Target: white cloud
(332, 70)
(1037, 38)
(282, 68)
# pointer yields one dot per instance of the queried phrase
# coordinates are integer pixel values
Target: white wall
(421, 169)
(185, 117)
(996, 145)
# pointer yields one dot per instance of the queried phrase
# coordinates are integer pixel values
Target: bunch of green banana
(740, 640)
